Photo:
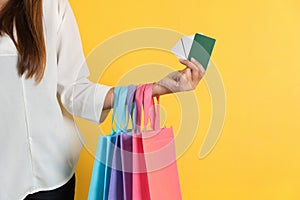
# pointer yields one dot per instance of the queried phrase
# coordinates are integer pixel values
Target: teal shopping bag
(101, 174)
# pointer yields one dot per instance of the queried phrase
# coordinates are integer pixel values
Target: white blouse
(39, 141)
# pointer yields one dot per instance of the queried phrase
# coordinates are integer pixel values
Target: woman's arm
(178, 81)
(88, 100)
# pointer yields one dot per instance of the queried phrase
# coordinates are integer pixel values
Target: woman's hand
(178, 81)
(182, 80)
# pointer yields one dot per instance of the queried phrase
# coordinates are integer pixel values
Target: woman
(43, 81)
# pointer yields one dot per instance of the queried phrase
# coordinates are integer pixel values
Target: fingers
(188, 75)
(194, 61)
(196, 68)
(189, 64)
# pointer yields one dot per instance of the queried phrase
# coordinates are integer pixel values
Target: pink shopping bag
(159, 150)
(140, 183)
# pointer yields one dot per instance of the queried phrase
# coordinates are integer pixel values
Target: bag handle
(151, 111)
(131, 106)
(119, 110)
(145, 101)
(139, 95)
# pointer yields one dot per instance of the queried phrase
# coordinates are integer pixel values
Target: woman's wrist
(159, 90)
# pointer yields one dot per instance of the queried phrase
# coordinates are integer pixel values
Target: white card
(183, 47)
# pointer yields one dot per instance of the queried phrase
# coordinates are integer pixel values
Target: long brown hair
(27, 15)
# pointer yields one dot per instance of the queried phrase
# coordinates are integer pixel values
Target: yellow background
(257, 54)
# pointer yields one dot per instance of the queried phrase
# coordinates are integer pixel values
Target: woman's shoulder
(58, 6)
(53, 11)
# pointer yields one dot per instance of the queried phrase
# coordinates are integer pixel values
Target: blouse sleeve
(78, 95)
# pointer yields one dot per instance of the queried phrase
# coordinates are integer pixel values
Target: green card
(197, 46)
(202, 48)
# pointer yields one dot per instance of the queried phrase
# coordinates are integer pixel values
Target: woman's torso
(39, 143)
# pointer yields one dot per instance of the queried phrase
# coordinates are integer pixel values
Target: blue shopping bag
(102, 170)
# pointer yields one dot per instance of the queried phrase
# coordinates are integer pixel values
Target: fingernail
(193, 59)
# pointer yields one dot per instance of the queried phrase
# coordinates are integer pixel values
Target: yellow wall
(257, 53)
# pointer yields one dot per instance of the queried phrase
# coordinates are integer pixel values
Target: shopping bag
(140, 184)
(121, 174)
(116, 191)
(126, 144)
(101, 174)
(159, 149)
(99, 183)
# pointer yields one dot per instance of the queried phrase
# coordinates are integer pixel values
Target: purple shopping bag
(121, 175)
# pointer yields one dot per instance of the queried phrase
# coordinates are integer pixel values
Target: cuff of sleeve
(100, 95)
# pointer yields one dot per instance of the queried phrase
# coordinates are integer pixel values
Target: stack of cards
(197, 46)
